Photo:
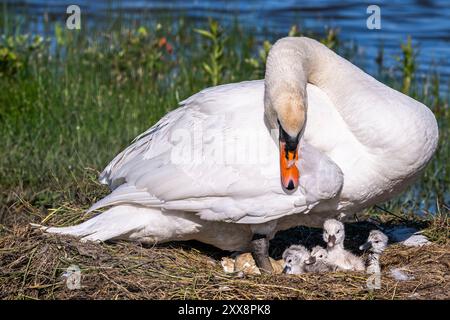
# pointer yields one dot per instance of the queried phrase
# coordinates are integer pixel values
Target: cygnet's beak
(331, 240)
(288, 160)
(287, 269)
(365, 246)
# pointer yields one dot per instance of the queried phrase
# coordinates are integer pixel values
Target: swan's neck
(381, 119)
(337, 248)
(373, 264)
(293, 62)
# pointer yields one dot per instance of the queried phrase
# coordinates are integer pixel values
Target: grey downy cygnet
(294, 259)
(318, 261)
(376, 243)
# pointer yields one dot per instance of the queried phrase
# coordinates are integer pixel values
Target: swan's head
(295, 258)
(376, 242)
(333, 232)
(317, 254)
(285, 103)
(290, 116)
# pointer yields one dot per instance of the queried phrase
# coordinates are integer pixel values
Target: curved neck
(358, 97)
(381, 119)
(294, 62)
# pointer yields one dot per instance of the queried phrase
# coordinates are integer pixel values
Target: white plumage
(363, 142)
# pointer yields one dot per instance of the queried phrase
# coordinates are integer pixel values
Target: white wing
(214, 156)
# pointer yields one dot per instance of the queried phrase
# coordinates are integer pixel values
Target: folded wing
(213, 156)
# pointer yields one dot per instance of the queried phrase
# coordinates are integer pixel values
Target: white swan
(358, 141)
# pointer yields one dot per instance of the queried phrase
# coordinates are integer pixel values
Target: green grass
(70, 102)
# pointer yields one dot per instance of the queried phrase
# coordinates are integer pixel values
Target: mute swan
(318, 261)
(211, 169)
(334, 235)
(295, 258)
(376, 243)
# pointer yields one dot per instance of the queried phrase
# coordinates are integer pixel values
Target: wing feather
(161, 168)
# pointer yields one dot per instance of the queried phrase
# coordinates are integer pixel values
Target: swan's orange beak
(288, 170)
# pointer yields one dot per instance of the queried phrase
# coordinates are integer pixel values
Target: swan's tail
(121, 222)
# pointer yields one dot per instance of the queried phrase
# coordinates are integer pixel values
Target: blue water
(427, 21)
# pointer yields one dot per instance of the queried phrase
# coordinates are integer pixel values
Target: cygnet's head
(333, 232)
(294, 259)
(376, 242)
(318, 254)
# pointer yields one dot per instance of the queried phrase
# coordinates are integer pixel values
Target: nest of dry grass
(32, 264)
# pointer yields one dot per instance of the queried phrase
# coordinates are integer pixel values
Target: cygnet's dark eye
(289, 260)
(338, 231)
(377, 241)
(320, 256)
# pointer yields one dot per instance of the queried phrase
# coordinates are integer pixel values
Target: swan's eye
(290, 260)
(338, 231)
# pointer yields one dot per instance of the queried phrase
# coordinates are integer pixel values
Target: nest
(34, 265)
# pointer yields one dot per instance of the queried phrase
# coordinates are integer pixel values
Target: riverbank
(71, 102)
